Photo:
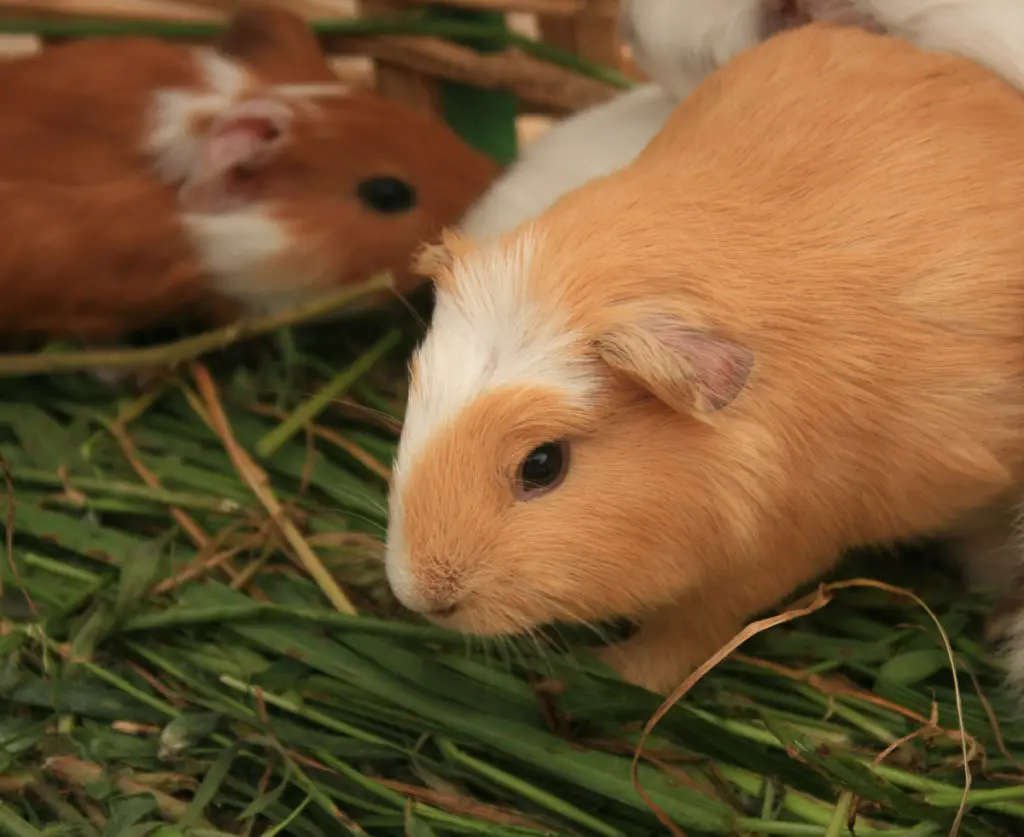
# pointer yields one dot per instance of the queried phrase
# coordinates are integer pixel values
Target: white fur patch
(566, 156)
(241, 250)
(171, 140)
(490, 335)
(679, 42)
(988, 32)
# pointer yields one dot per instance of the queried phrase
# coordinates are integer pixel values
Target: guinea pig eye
(543, 469)
(388, 195)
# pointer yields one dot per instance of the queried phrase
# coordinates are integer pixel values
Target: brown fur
(75, 113)
(276, 43)
(848, 209)
(361, 135)
(74, 117)
(57, 223)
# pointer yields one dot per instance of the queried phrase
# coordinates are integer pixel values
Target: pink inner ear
(243, 137)
(246, 132)
(721, 367)
(238, 142)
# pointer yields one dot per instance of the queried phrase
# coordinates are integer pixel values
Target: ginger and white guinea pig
(268, 181)
(594, 142)
(679, 42)
(688, 386)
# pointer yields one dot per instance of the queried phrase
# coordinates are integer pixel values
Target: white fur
(171, 140)
(677, 43)
(594, 142)
(243, 250)
(489, 334)
(989, 32)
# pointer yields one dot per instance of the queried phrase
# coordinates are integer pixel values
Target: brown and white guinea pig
(269, 181)
(794, 325)
(679, 42)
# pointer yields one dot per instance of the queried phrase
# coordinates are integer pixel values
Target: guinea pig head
(299, 189)
(540, 474)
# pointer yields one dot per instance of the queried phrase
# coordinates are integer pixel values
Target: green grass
(170, 666)
(196, 638)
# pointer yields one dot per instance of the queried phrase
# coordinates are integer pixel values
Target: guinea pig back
(71, 254)
(794, 325)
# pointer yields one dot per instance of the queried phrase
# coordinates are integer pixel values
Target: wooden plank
(395, 81)
(592, 33)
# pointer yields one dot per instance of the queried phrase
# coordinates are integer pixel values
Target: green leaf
(11, 825)
(139, 572)
(417, 827)
(95, 628)
(913, 666)
(126, 812)
(44, 442)
(485, 119)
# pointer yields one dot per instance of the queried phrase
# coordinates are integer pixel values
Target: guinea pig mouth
(510, 624)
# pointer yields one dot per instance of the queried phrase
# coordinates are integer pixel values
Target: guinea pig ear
(435, 260)
(276, 42)
(690, 369)
(432, 259)
(234, 146)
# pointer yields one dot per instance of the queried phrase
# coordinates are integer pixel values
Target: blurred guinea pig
(679, 42)
(269, 182)
(689, 386)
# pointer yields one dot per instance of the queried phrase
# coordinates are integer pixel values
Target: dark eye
(543, 469)
(387, 194)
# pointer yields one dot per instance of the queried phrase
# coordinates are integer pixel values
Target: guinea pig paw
(638, 668)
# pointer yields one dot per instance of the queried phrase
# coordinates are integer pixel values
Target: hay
(177, 656)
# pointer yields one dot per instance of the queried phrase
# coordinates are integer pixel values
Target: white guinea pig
(594, 142)
(678, 42)
(990, 32)
(792, 326)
